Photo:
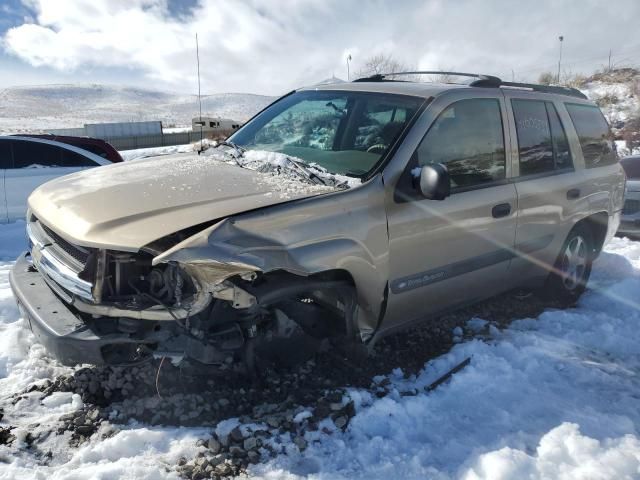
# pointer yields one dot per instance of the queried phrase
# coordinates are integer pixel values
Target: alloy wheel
(574, 263)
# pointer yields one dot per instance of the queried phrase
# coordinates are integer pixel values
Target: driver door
(447, 253)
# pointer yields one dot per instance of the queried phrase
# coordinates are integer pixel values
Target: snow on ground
(176, 129)
(553, 397)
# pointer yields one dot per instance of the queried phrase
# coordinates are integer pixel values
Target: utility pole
(609, 60)
(199, 97)
(561, 38)
(348, 72)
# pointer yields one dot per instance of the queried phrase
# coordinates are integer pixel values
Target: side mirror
(435, 183)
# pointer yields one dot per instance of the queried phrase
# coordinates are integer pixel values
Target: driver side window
(468, 138)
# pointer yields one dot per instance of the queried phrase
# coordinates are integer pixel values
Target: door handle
(501, 210)
(573, 194)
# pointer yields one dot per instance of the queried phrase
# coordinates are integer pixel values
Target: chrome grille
(78, 253)
(631, 207)
(57, 260)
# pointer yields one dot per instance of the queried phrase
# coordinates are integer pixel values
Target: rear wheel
(570, 275)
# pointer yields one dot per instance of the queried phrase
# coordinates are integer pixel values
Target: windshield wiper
(237, 148)
(308, 174)
(227, 143)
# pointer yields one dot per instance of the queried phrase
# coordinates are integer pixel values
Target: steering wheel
(377, 148)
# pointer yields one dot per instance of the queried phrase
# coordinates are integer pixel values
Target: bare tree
(382, 63)
(546, 78)
(385, 64)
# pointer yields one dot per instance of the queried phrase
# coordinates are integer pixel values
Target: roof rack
(482, 80)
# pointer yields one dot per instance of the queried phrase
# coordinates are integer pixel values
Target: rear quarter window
(594, 134)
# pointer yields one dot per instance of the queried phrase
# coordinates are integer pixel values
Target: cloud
(271, 47)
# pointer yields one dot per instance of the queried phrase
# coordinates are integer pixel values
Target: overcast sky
(273, 46)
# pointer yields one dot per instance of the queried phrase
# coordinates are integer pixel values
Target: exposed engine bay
(205, 313)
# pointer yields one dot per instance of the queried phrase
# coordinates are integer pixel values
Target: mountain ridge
(35, 108)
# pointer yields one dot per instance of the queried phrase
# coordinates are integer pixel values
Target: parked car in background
(409, 199)
(630, 221)
(94, 145)
(26, 163)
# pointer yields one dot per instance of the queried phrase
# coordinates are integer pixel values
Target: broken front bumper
(63, 334)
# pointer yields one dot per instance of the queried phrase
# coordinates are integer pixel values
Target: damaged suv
(340, 213)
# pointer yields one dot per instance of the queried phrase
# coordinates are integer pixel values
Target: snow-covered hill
(34, 108)
(616, 92)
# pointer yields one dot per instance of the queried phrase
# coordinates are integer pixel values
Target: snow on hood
(282, 167)
(130, 204)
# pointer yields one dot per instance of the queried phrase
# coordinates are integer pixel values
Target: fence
(160, 140)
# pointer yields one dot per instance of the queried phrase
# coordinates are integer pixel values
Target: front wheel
(569, 277)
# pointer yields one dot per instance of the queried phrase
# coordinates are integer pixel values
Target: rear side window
(73, 159)
(5, 154)
(594, 134)
(561, 150)
(534, 137)
(468, 138)
(34, 154)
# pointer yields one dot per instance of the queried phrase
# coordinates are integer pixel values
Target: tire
(568, 280)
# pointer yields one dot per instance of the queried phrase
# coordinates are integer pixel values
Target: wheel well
(598, 224)
(334, 275)
(331, 289)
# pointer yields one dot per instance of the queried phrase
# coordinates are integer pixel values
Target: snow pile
(563, 453)
(549, 398)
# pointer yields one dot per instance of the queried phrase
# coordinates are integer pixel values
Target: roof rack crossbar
(489, 81)
(381, 76)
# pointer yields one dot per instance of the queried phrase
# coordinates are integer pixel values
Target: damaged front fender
(346, 232)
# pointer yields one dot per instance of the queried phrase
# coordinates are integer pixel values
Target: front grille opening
(78, 253)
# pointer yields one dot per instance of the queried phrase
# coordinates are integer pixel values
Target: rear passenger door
(5, 162)
(550, 191)
(35, 163)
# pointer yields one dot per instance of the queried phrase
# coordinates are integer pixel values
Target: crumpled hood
(127, 205)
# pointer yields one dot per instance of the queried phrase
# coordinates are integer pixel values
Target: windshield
(343, 132)
(631, 167)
